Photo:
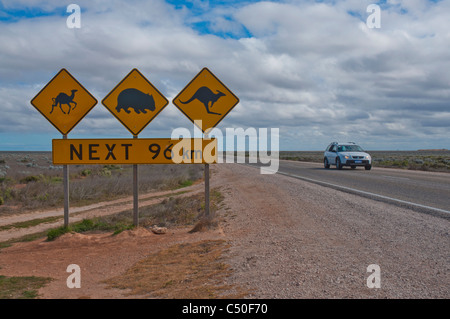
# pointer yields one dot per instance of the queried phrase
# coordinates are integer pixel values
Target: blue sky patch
(200, 10)
(14, 15)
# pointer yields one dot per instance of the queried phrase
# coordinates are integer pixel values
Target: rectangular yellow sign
(135, 151)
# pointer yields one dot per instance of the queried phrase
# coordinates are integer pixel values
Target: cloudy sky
(313, 69)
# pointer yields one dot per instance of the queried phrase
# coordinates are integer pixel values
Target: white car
(346, 154)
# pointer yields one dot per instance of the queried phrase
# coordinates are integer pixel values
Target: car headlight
(368, 157)
(347, 156)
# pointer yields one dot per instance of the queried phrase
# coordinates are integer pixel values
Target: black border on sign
(70, 129)
(137, 133)
(198, 74)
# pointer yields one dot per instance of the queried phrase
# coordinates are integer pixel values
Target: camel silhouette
(63, 98)
(206, 96)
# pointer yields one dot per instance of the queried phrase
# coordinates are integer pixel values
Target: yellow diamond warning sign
(135, 102)
(207, 99)
(64, 102)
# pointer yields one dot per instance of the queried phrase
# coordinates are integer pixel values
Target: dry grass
(21, 287)
(183, 271)
(27, 183)
(205, 224)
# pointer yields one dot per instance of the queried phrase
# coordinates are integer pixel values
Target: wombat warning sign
(135, 102)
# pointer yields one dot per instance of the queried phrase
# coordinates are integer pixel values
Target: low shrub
(52, 234)
(86, 172)
(30, 179)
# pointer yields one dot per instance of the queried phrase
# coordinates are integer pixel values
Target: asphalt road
(426, 191)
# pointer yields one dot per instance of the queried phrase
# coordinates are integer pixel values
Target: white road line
(395, 177)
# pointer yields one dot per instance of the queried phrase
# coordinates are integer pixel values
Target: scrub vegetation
(21, 287)
(171, 212)
(29, 181)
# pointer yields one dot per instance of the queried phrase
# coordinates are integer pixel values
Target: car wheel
(325, 163)
(368, 167)
(338, 163)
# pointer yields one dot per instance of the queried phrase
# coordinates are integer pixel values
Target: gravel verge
(293, 239)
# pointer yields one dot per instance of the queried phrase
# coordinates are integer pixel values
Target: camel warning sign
(207, 99)
(135, 102)
(64, 101)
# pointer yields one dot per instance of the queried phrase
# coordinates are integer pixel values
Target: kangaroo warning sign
(135, 102)
(207, 99)
(64, 102)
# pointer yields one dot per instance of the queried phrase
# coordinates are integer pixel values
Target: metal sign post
(207, 213)
(135, 194)
(66, 191)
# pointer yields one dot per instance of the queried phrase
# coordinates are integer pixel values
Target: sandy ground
(289, 239)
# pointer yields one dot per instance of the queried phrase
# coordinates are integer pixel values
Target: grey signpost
(207, 213)
(66, 192)
(135, 194)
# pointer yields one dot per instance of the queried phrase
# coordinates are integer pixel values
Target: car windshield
(349, 148)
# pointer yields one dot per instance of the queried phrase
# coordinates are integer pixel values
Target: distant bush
(5, 194)
(55, 233)
(105, 172)
(30, 179)
(43, 197)
(186, 183)
(86, 172)
(112, 167)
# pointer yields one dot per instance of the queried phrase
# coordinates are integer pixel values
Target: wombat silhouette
(135, 99)
(206, 96)
(63, 98)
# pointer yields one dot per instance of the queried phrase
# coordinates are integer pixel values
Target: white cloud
(312, 69)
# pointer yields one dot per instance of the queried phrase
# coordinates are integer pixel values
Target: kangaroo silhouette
(63, 98)
(206, 96)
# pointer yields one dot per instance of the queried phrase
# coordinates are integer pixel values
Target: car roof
(348, 143)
